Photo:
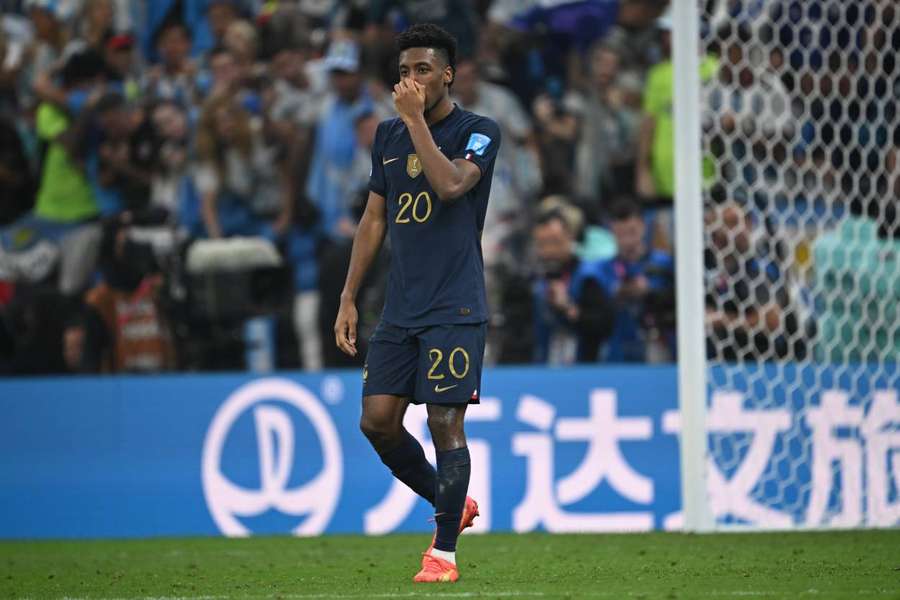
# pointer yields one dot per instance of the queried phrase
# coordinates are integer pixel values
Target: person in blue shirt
(335, 141)
(572, 313)
(429, 187)
(641, 284)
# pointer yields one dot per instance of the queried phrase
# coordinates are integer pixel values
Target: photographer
(641, 284)
(572, 313)
(124, 327)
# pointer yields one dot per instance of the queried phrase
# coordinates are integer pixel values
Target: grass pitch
(847, 565)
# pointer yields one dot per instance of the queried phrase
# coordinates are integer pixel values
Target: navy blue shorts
(440, 364)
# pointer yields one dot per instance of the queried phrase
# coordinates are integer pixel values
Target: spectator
(605, 159)
(458, 18)
(34, 321)
(96, 23)
(118, 54)
(135, 336)
(293, 109)
(558, 116)
(655, 174)
(61, 228)
(749, 314)
(229, 77)
(170, 122)
(236, 175)
(295, 100)
(242, 41)
(65, 194)
(221, 14)
(175, 77)
(17, 182)
(46, 51)
(637, 37)
(83, 338)
(866, 242)
(566, 30)
(572, 313)
(641, 284)
(117, 157)
(335, 142)
(336, 256)
(15, 43)
(225, 76)
(365, 124)
(516, 172)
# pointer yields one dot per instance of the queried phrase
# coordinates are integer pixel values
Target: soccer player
(431, 177)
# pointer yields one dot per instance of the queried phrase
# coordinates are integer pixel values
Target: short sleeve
(518, 123)
(377, 181)
(206, 180)
(50, 121)
(481, 143)
(655, 92)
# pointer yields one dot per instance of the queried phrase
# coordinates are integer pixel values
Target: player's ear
(449, 75)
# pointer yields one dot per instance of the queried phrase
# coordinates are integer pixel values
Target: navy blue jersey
(437, 270)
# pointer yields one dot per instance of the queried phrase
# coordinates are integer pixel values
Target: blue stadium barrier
(240, 455)
(575, 449)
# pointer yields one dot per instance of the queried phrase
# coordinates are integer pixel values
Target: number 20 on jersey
(416, 209)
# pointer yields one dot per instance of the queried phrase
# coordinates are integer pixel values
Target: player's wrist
(415, 120)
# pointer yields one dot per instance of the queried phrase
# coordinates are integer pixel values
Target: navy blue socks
(408, 464)
(453, 470)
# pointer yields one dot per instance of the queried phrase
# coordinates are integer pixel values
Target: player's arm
(366, 244)
(449, 179)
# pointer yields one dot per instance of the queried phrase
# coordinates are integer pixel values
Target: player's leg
(388, 382)
(449, 378)
(382, 424)
(453, 471)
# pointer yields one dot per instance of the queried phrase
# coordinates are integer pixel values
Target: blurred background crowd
(180, 180)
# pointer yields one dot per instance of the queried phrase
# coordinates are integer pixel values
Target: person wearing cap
(335, 140)
(118, 54)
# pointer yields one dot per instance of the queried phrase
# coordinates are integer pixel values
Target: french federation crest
(413, 166)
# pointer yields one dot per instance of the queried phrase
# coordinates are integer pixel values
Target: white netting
(801, 137)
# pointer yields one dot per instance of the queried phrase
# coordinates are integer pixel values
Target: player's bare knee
(379, 428)
(446, 430)
(371, 426)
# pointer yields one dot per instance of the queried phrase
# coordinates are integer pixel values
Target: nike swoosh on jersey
(439, 389)
(390, 160)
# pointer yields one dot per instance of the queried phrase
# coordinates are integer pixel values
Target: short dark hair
(81, 67)
(429, 35)
(216, 51)
(624, 209)
(170, 24)
(554, 214)
(109, 101)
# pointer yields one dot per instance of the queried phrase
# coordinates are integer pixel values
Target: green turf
(852, 565)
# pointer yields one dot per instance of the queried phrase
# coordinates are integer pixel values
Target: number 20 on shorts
(436, 356)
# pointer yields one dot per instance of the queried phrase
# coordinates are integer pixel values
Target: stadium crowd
(180, 181)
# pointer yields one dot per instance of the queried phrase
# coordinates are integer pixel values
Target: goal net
(802, 263)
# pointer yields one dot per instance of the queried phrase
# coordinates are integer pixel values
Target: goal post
(689, 267)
